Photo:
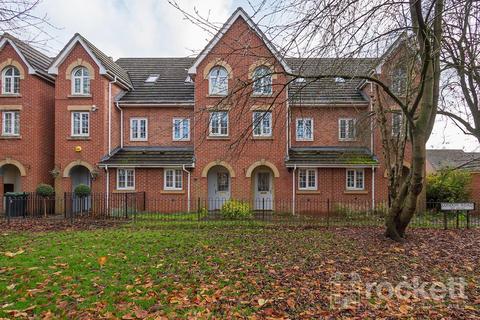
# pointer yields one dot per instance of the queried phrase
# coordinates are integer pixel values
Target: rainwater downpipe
(188, 187)
(293, 189)
(121, 123)
(108, 187)
(110, 114)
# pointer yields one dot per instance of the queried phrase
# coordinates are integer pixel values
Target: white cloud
(132, 27)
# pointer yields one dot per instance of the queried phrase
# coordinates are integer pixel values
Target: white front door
(263, 190)
(218, 187)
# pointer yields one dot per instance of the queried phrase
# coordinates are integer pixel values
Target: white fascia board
(54, 68)
(239, 13)
(31, 70)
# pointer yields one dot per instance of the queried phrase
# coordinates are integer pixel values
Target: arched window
(81, 81)
(262, 81)
(218, 81)
(399, 80)
(11, 80)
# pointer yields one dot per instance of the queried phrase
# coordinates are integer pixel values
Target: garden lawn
(227, 270)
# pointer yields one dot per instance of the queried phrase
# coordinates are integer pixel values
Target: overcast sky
(153, 28)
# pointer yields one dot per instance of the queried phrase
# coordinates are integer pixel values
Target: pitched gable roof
(453, 158)
(170, 87)
(36, 61)
(328, 90)
(237, 14)
(105, 63)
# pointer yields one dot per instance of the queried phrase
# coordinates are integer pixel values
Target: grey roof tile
(170, 86)
(38, 60)
(150, 156)
(453, 158)
(326, 90)
(348, 156)
(107, 62)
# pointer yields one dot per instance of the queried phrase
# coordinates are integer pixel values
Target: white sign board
(452, 206)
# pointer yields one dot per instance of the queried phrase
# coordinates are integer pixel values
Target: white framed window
(80, 124)
(10, 123)
(11, 80)
(304, 129)
(181, 129)
(218, 81)
(355, 179)
(80, 81)
(347, 129)
(307, 179)
(262, 124)
(397, 119)
(399, 80)
(262, 81)
(219, 123)
(125, 179)
(173, 179)
(138, 129)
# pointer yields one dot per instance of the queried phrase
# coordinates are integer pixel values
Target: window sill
(6, 137)
(80, 96)
(355, 192)
(138, 140)
(308, 192)
(262, 138)
(79, 138)
(10, 95)
(347, 140)
(258, 95)
(304, 140)
(181, 140)
(172, 192)
(218, 138)
(123, 191)
(217, 95)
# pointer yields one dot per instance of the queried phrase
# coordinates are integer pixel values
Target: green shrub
(448, 185)
(82, 190)
(234, 209)
(45, 190)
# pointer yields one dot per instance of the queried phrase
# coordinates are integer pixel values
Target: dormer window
(81, 81)
(218, 81)
(262, 81)
(152, 78)
(11, 80)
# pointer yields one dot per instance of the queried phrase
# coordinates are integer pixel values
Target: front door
(263, 190)
(218, 187)
(80, 175)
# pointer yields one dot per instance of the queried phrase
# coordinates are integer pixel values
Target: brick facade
(46, 126)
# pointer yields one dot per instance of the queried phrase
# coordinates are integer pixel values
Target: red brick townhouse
(27, 115)
(226, 124)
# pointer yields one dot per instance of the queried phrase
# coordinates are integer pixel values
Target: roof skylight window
(152, 78)
(339, 80)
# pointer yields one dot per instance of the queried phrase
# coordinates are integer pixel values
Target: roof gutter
(322, 165)
(153, 165)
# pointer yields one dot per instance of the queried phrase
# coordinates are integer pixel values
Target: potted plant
(82, 191)
(45, 191)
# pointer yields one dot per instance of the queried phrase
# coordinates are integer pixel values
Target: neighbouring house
(438, 159)
(183, 129)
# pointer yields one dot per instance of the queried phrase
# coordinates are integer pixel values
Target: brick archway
(20, 167)
(218, 163)
(264, 163)
(66, 171)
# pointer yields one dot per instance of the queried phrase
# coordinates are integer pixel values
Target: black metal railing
(138, 207)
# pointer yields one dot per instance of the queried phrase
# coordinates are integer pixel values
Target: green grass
(176, 269)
